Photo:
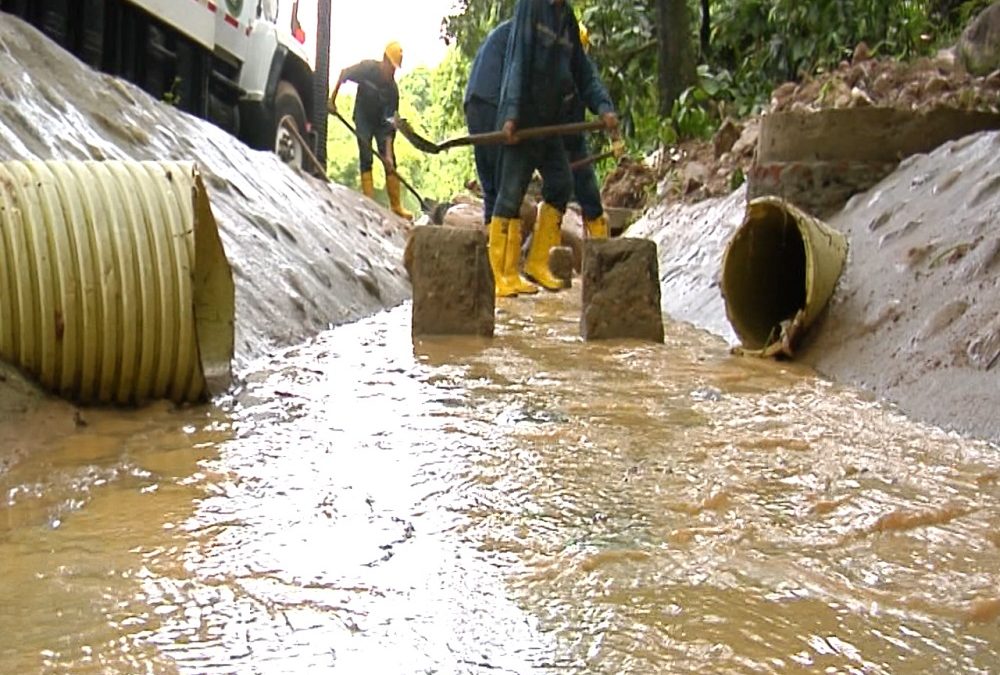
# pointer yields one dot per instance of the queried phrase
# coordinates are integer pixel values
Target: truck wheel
(288, 109)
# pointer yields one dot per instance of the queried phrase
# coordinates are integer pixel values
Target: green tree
(745, 48)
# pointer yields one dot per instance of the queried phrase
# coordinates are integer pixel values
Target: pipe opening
(214, 291)
(764, 275)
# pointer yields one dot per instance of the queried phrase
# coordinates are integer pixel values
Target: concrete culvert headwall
(778, 262)
(114, 287)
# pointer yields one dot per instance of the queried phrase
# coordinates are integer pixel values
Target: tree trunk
(676, 52)
(706, 29)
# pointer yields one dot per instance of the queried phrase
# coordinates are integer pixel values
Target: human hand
(509, 129)
(610, 121)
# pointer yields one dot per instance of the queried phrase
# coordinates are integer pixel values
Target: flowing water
(367, 504)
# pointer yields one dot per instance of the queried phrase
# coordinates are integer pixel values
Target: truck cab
(246, 65)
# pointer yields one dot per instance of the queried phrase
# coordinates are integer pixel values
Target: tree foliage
(744, 50)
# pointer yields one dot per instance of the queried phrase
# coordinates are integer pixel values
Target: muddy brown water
(365, 504)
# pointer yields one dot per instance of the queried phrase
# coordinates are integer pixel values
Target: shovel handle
(530, 133)
(586, 161)
(290, 126)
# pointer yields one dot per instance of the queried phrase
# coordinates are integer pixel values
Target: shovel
(424, 206)
(293, 130)
(493, 137)
(587, 161)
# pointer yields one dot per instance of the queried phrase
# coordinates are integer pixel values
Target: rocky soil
(699, 169)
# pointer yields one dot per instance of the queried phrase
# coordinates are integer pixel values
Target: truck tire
(288, 106)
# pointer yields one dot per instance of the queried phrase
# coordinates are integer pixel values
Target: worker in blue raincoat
(543, 66)
(482, 95)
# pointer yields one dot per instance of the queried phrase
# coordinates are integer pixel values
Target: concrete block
(621, 290)
(453, 291)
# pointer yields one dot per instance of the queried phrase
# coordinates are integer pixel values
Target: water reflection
(527, 504)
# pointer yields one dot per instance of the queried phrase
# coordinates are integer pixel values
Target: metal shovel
(425, 206)
(493, 137)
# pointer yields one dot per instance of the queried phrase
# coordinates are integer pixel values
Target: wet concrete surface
(531, 503)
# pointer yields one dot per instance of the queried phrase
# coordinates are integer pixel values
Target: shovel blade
(415, 139)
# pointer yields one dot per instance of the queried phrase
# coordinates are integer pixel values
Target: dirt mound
(628, 186)
(918, 85)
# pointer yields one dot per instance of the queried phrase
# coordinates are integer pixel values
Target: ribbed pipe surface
(114, 287)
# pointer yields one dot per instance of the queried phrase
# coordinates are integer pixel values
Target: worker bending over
(375, 106)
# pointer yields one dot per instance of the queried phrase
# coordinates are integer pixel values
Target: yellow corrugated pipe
(114, 286)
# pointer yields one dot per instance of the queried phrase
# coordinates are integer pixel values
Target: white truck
(242, 64)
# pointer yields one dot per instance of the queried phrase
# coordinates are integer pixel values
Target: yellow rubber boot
(395, 200)
(367, 184)
(497, 249)
(513, 258)
(547, 235)
(598, 227)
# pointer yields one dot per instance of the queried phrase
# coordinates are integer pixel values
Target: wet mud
(531, 503)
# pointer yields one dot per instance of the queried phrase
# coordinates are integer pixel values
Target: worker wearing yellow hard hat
(375, 106)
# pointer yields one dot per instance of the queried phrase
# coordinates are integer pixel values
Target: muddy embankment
(305, 254)
(915, 318)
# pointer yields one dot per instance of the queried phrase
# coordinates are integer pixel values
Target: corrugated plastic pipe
(114, 286)
(781, 263)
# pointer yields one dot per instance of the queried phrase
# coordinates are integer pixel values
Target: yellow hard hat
(584, 37)
(394, 52)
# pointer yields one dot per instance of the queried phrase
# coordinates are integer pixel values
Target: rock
(781, 94)
(854, 75)
(695, 172)
(946, 58)
(691, 186)
(860, 99)
(621, 290)
(747, 143)
(984, 350)
(861, 53)
(725, 138)
(453, 291)
(466, 216)
(936, 85)
(561, 262)
(884, 84)
(979, 45)
(571, 231)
